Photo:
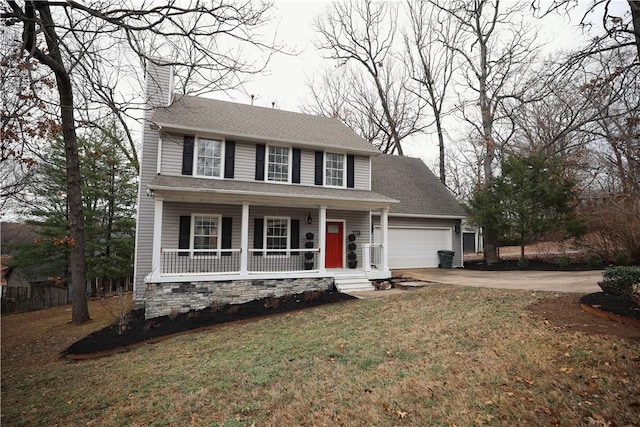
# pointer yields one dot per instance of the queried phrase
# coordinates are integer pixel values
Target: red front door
(335, 245)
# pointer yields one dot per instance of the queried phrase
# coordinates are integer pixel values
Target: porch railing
(277, 260)
(227, 261)
(372, 254)
(189, 261)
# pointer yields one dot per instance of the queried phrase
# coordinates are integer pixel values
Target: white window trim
(288, 237)
(195, 157)
(192, 236)
(344, 170)
(289, 165)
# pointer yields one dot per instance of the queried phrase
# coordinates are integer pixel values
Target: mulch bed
(138, 330)
(621, 308)
(532, 264)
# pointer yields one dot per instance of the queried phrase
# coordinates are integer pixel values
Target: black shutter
(187, 155)
(319, 167)
(258, 226)
(350, 173)
(184, 234)
(227, 227)
(260, 149)
(295, 174)
(229, 158)
(294, 238)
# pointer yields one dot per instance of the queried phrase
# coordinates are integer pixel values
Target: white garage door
(415, 247)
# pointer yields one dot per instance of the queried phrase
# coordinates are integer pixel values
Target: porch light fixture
(457, 228)
(309, 219)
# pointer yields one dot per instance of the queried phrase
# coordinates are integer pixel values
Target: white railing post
(322, 238)
(157, 236)
(244, 240)
(384, 225)
(366, 256)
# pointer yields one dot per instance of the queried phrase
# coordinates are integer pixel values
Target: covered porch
(250, 231)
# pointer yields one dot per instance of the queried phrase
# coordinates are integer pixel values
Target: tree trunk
(486, 113)
(443, 178)
(80, 309)
(53, 60)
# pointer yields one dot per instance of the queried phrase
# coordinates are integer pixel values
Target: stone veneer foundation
(162, 299)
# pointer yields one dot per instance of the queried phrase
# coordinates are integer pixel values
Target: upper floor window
(206, 234)
(334, 170)
(278, 164)
(209, 157)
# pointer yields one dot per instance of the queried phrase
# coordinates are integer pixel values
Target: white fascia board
(168, 127)
(399, 215)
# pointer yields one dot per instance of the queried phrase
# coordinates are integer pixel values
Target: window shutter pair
(258, 233)
(319, 169)
(260, 163)
(187, 156)
(184, 234)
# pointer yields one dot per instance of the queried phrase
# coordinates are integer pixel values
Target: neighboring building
(229, 194)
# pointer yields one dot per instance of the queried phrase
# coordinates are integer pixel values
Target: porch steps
(352, 281)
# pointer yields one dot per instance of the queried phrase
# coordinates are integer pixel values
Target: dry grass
(443, 355)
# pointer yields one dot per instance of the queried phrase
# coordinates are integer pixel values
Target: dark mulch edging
(620, 308)
(532, 264)
(139, 330)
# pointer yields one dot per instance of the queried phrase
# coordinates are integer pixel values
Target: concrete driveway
(555, 281)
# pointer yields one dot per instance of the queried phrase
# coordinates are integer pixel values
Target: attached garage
(426, 219)
(415, 247)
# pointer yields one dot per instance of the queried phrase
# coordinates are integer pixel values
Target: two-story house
(238, 202)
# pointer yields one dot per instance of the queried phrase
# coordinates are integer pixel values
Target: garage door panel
(415, 247)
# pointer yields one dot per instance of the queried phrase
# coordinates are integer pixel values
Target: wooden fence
(18, 299)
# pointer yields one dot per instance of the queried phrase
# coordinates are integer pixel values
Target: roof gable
(411, 182)
(198, 114)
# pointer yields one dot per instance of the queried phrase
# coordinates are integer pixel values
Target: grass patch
(443, 355)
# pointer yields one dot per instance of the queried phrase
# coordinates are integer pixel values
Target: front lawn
(443, 355)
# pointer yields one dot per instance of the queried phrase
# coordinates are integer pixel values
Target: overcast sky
(285, 84)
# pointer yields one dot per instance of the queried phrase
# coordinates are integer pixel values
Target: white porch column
(244, 240)
(322, 238)
(384, 226)
(157, 235)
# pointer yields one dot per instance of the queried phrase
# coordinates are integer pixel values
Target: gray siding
(172, 154)
(171, 220)
(307, 167)
(245, 161)
(362, 173)
(144, 232)
(245, 158)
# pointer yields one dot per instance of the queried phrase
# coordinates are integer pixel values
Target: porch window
(209, 157)
(205, 234)
(334, 170)
(276, 234)
(278, 164)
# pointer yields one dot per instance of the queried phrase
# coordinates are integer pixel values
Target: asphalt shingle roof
(259, 123)
(411, 182)
(251, 188)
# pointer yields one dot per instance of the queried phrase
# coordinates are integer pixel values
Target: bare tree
(363, 32)
(497, 49)
(73, 38)
(431, 63)
(342, 94)
(618, 31)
